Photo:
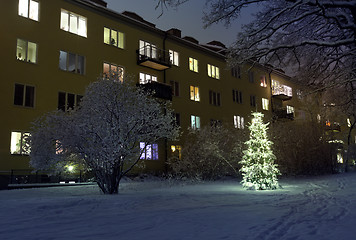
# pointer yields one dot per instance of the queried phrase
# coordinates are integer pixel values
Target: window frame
(253, 100)
(214, 98)
(153, 78)
(213, 71)
(195, 122)
(120, 38)
(175, 88)
(25, 95)
(193, 64)
(251, 76)
(68, 27)
(12, 141)
(236, 72)
(174, 57)
(26, 58)
(194, 93)
(237, 96)
(152, 148)
(76, 101)
(239, 122)
(118, 68)
(265, 104)
(28, 9)
(77, 63)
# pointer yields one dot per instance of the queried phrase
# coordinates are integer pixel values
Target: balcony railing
(282, 91)
(335, 127)
(160, 90)
(283, 114)
(152, 57)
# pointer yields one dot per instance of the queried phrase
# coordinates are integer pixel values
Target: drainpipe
(165, 81)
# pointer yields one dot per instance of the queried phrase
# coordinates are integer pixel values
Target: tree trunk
(108, 183)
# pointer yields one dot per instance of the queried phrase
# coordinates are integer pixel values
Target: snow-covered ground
(310, 208)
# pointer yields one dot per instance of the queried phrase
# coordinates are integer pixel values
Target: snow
(307, 208)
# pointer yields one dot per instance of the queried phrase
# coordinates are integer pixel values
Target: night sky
(187, 18)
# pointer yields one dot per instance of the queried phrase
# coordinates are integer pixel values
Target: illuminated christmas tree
(258, 169)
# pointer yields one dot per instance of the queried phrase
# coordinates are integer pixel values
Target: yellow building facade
(53, 49)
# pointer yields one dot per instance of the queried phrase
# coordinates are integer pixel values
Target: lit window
(175, 88)
(113, 69)
(149, 151)
(73, 23)
(194, 93)
(24, 95)
(339, 157)
(176, 151)
(195, 122)
(348, 122)
(29, 9)
(265, 103)
(71, 62)
(214, 98)
(213, 71)
(67, 101)
(113, 37)
(263, 81)
(147, 49)
(290, 109)
(146, 78)
(251, 77)
(18, 144)
(26, 51)
(239, 122)
(174, 57)
(193, 64)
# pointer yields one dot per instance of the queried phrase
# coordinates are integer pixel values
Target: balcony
(335, 127)
(283, 114)
(152, 57)
(160, 90)
(281, 91)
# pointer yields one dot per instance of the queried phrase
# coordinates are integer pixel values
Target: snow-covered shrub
(258, 169)
(103, 132)
(302, 148)
(208, 154)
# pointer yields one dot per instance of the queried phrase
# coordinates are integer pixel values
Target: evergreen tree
(258, 169)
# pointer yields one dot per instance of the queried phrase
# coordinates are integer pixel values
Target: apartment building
(51, 50)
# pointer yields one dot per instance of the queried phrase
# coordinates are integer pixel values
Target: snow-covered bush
(104, 132)
(209, 153)
(258, 169)
(302, 148)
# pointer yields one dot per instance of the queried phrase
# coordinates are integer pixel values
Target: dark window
(215, 123)
(29, 96)
(214, 98)
(236, 96)
(251, 77)
(19, 91)
(236, 72)
(175, 88)
(70, 101)
(177, 117)
(253, 101)
(24, 95)
(62, 101)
